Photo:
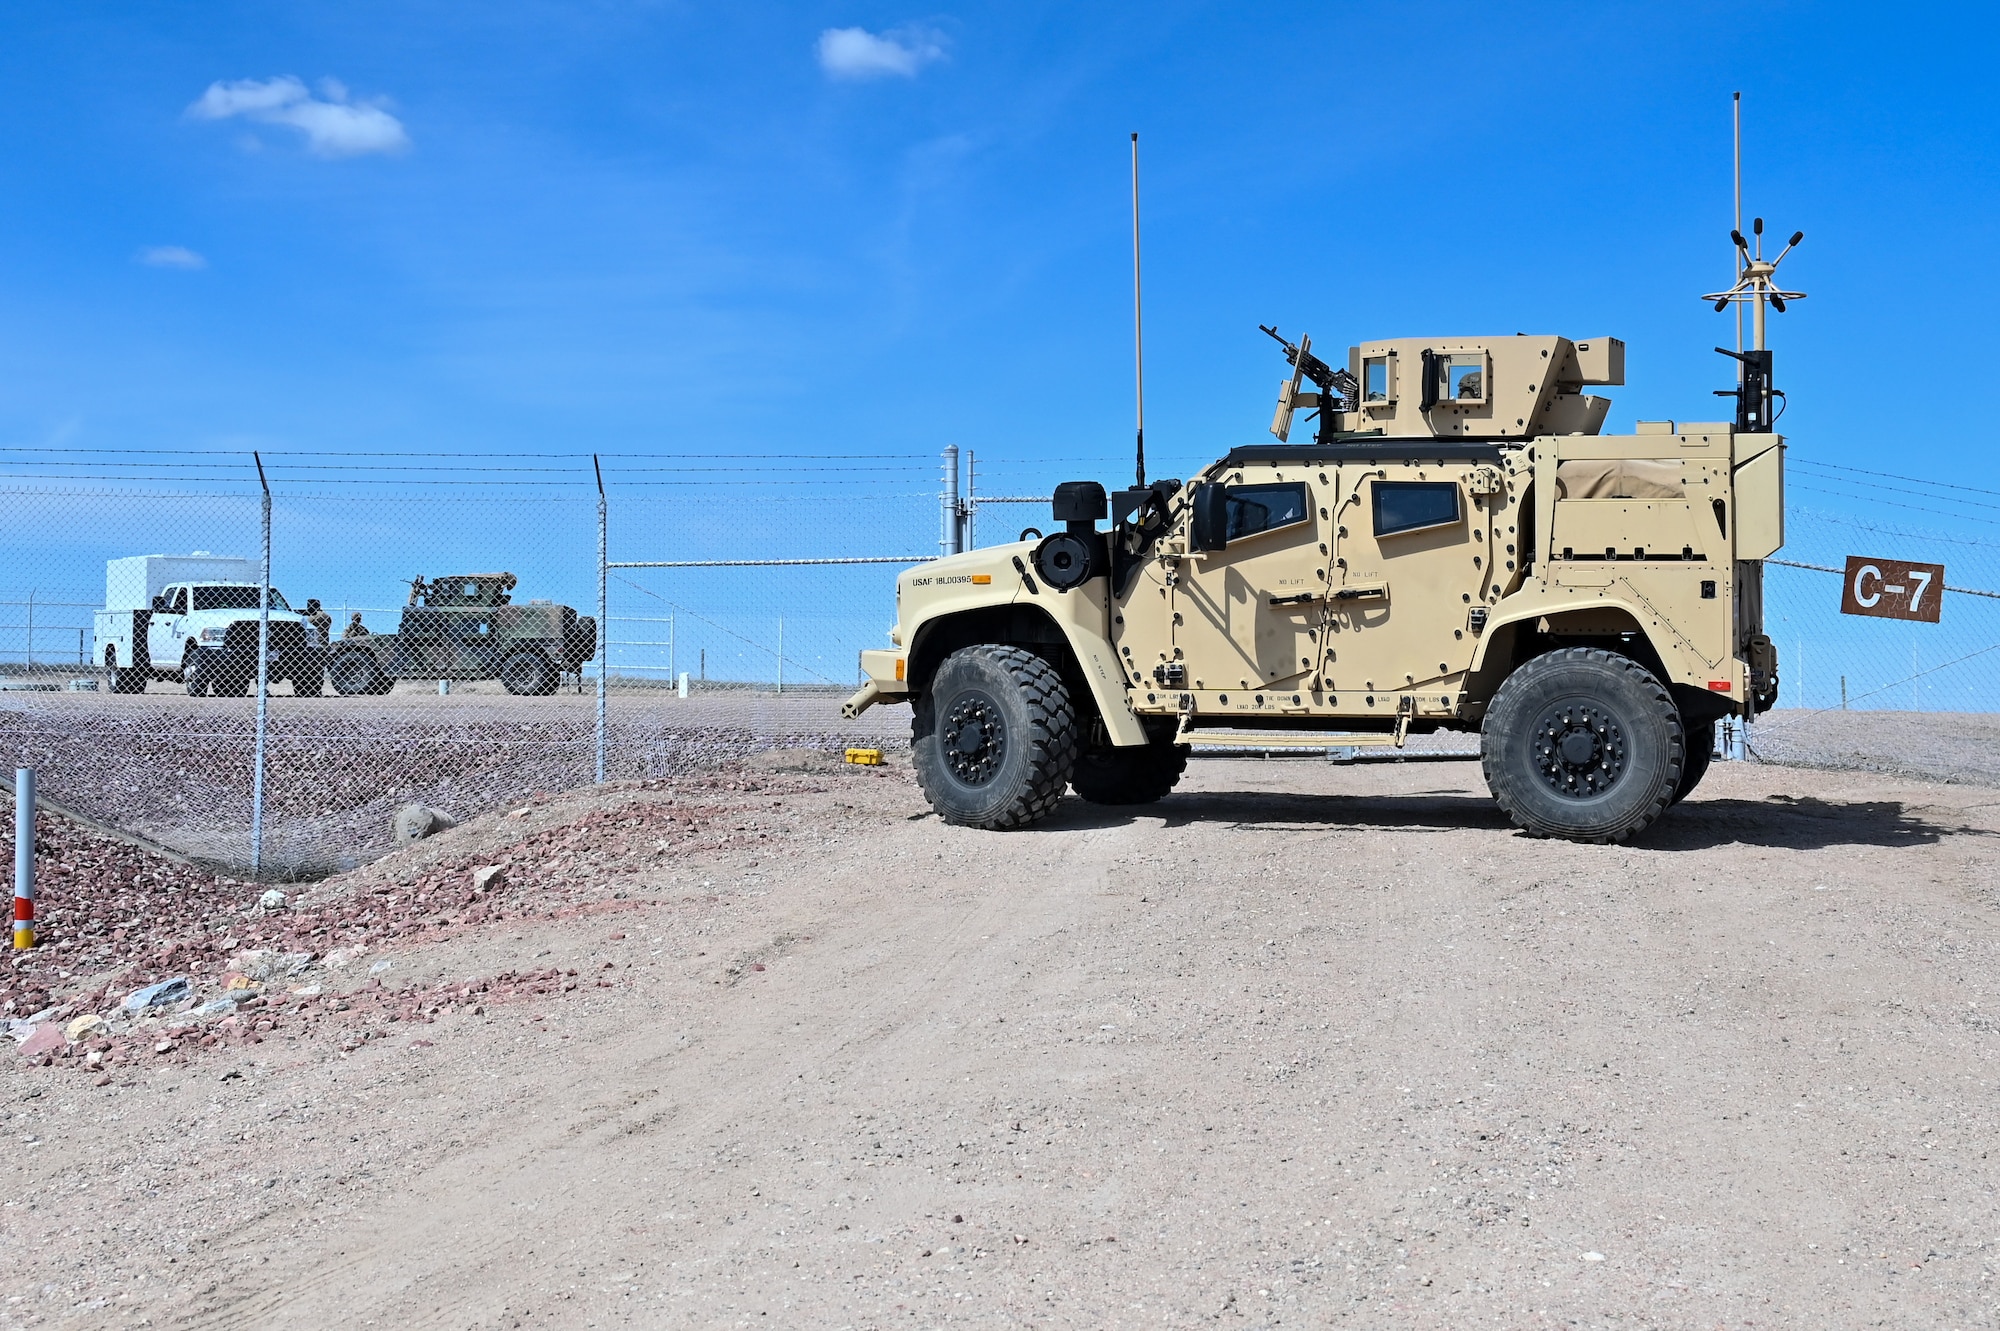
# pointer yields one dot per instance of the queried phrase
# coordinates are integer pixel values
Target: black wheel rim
(973, 738)
(1580, 749)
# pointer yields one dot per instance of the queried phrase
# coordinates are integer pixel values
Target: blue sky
(516, 227)
(639, 226)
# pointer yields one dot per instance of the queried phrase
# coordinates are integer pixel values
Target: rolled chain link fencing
(736, 591)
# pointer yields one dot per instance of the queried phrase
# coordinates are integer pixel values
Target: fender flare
(1091, 654)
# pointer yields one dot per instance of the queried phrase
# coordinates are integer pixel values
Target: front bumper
(884, 673)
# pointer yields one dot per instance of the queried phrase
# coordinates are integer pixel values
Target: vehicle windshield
(234, 598)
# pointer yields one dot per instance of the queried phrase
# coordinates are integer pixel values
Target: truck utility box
(132, 583)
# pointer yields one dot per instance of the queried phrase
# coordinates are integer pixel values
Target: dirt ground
(1305, 1045)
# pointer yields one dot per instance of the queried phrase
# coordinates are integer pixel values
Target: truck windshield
(234, 598)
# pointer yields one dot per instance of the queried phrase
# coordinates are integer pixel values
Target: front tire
(994, 738)
(1583, 744)
(198, 674)
(529, 673)
(1141, 774)
(355, 672)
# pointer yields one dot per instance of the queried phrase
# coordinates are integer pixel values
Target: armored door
(1414, 558)
(1246, 617)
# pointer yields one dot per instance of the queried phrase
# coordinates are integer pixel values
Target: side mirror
(1208, 529)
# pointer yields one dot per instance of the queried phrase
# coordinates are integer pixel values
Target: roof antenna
(1138, 328)
(1755, 285)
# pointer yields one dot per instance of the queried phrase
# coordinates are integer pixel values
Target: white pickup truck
(194, 618)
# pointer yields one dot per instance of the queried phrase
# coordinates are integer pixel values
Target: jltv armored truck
(194, 618)
(1457, 548)
(467, 627)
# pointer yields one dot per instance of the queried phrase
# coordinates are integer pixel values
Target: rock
(306, 991)
(414, 822)
(272, 899)
(342, 957)
(165, 1047)
(216, 1007)
(488, 876)
(18, 1030)
(164, 994)
(238, 980)
(84, 1025)
(256, 964)
(1593, 1257)
(380, 966)
(47, 1039)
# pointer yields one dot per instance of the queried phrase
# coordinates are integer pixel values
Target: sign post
(1892, 589)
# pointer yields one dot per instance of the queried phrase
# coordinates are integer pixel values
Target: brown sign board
(1892, 589)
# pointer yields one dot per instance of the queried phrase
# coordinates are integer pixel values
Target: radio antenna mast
(1755, 286)
(1138, 324)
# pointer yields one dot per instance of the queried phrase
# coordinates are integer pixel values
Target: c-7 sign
(1892, 589)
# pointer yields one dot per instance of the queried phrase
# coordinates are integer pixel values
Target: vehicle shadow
(1779, 822)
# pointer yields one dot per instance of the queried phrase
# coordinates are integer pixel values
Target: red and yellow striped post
(24, 858)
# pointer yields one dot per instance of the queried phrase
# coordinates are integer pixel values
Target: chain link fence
(735, 595)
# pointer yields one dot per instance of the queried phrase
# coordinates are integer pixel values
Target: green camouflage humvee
(466, 627)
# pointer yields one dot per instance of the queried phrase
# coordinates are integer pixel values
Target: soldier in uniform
(355, 628)
(319, 619)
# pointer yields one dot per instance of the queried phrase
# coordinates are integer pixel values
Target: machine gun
(1338, 392)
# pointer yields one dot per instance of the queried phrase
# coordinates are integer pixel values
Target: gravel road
(1303, 1045)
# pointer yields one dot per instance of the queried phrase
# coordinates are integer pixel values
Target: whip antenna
(1138, 324)
(1756, 286)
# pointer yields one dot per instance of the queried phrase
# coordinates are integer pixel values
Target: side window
(1262, 508)
(1464, 377)
(1378, 381)
(1414, 505)
(177, 601)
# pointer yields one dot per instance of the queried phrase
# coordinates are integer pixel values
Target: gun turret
(1337, 393)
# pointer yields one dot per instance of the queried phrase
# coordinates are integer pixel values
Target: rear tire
(1141, 774)
(1583, 744)
(994, 738)
(123, 681)
(355, 672)
(529, 673)
(1700, 751)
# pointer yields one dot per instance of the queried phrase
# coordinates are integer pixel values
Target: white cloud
(334, 125)
(856, 53)
(171, 256)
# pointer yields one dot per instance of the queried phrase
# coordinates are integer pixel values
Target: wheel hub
(973, 738)
(1580, 749)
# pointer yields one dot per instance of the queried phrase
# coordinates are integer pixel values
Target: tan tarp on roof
(1619, 478)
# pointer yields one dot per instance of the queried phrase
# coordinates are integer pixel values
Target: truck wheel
(123, 681)
(994, 738)
(198, 674)
(528, 672)
(1137, 775)
(1583, 744)
(354, 672)
(1700, 750)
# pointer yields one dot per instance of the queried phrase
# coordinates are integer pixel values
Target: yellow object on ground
(865, 757)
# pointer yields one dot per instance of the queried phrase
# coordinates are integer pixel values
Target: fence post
(603, 610)
(952, 541)
(24, 858)
(781, 656)
(263, 681)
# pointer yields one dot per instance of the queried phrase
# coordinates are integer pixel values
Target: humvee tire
(994, 738)
(1583, 744)
(529, 673)
(1139, 774)
(355, 672)
(1700, 750)
(311, 686)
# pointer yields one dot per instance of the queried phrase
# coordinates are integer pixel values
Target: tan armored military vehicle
(1457, 548)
